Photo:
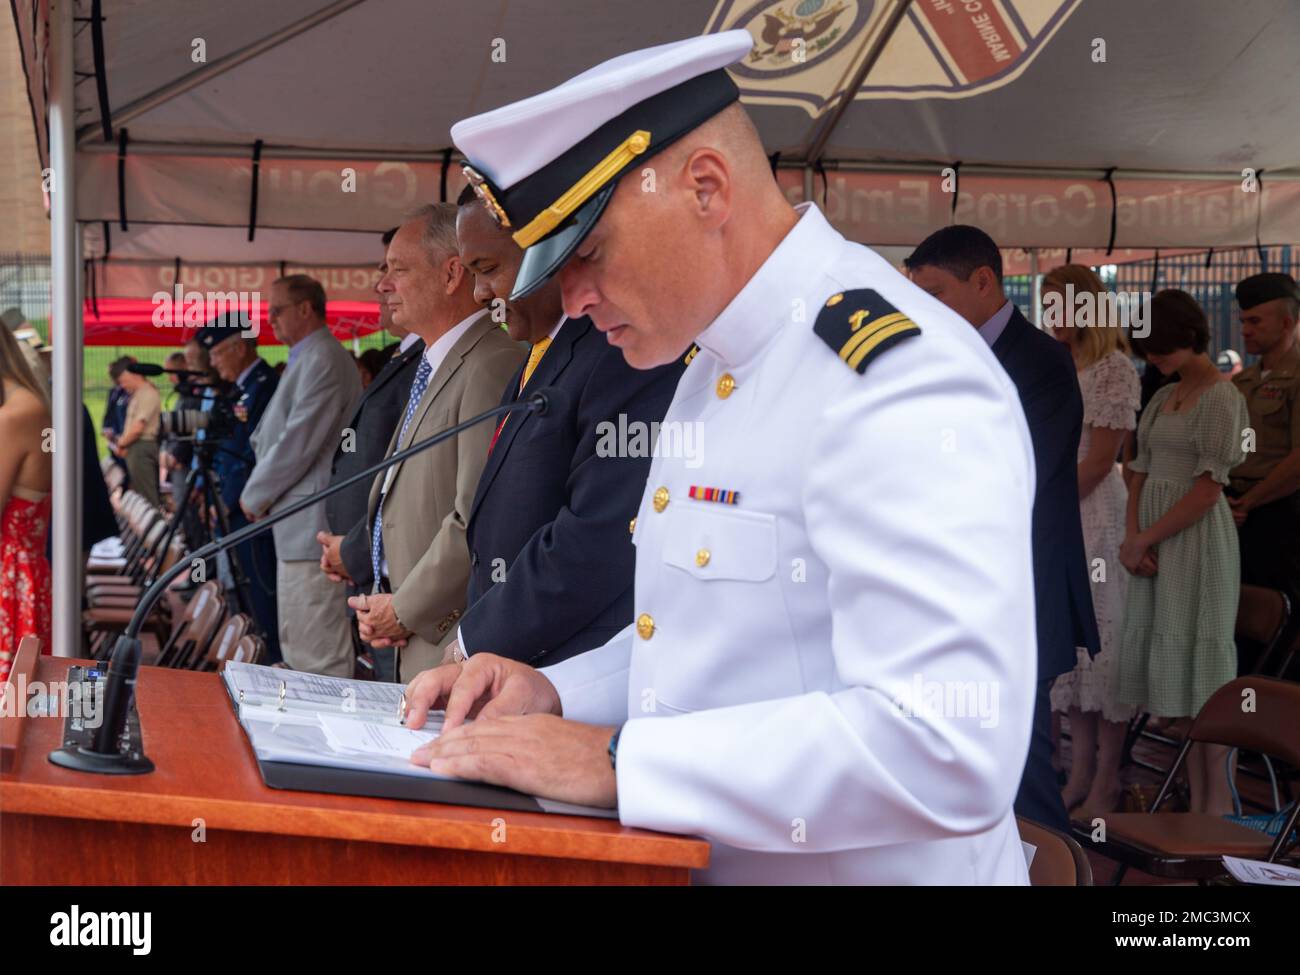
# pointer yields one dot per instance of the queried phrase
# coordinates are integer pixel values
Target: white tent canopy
(1037, 100)
(305, 127)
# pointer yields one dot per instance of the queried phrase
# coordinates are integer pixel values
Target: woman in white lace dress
(1109, 383)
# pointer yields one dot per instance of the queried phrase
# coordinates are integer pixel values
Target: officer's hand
(247, 514)
(539, 754)
(484, 686)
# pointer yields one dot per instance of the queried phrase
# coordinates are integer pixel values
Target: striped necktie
(418, 386)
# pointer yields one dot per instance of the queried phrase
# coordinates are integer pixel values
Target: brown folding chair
(1058, 861)
(223, 644)
(1262, 618)
(1190, 846)
(188, 644)
(126, 593)
(250, 649)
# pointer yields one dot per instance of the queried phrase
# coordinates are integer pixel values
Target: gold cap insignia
(484, 192)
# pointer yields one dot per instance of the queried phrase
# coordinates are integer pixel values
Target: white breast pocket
(716, 542)
(722, 633)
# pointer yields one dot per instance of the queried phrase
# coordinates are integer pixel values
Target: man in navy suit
(236, 361)
(551, 558)
(961, 266)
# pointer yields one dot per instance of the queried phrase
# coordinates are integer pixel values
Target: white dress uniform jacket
(831, 679)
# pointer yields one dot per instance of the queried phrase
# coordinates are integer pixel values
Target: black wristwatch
(613, 747)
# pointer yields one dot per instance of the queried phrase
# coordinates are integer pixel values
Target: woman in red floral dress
(26, 467)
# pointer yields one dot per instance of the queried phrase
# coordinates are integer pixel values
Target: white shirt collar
(435, 353)
(992, 330)
(556, 330)
(408, 340)
(764, 304)
(247, 369)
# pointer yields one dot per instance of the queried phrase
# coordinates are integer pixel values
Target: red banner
(130, 321)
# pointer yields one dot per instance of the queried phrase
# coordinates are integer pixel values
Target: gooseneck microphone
(105, 753)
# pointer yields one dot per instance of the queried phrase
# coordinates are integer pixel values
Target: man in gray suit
(294, 443)
(419, 509)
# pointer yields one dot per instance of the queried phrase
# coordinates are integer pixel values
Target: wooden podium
(204, 816)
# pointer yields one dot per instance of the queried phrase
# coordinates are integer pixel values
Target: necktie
(420, 384)
(534, 357)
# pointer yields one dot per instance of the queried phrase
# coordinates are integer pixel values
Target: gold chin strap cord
(583, 190)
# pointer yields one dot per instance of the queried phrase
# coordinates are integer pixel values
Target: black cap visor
(545, 258)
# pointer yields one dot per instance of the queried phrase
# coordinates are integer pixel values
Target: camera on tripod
(216, 420)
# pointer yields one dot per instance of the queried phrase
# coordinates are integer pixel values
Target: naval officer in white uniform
(830, 673)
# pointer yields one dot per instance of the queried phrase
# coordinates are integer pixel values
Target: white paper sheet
(1259, 872)
(370, 738)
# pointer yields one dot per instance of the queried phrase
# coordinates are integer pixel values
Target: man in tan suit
(419, 508)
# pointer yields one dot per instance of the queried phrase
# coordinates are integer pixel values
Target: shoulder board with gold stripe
(859, 325)
(691, 355)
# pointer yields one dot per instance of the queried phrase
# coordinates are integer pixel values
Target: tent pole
(891, 20)
(66, 337)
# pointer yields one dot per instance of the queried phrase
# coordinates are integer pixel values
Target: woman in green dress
(1180, 541)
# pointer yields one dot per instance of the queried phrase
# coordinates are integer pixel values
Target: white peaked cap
(546, 167)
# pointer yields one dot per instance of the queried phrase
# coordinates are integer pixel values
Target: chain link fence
(1209, 276)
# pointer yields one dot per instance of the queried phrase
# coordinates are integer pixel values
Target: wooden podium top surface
(205, 769)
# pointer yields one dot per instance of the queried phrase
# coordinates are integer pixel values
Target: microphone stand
(107, 753)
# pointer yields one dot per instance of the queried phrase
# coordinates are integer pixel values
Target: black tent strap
(442, 180)
(108, 239)
(91, 287)
(252, 201)
(122, 140)
(956, 189)
(1114, 209)
(101, 72)
(176, 272)
(282, 268)
(1069, 252)
(1259, 216)
(1209, 258)
(774, 160)
(1155, 272)
(820, 167)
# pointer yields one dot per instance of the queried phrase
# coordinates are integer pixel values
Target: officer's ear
(708, 176)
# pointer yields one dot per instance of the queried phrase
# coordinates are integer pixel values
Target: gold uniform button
(661, 498)
(726, 383)
(702, 557)
(645, 626)
(631, 526)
